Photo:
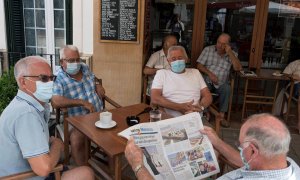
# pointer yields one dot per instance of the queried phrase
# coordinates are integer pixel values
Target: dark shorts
(51, 176)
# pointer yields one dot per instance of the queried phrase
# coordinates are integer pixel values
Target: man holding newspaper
(263, 144)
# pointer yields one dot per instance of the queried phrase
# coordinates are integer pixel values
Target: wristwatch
(202, 108)
(137, 169)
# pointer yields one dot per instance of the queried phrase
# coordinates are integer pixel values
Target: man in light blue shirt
(24, 134)
(263, 144)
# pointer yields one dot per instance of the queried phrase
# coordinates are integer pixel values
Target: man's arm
(210, 74)
(43, 164)
(149, 71)
(63, 102)
(206, 98)
(225, 149)
(158, 99)
(237, 66)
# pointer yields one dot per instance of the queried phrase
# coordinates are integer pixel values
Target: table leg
(66, 142)
(87, 149)
(275, 95)
(117, 169)
(245, 98)
(289, 101)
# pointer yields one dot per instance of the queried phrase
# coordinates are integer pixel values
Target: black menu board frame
(112, 28)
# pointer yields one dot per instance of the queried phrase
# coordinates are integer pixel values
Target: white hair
(175, 48)
(62, 50)
(270, 142)
(22, 66)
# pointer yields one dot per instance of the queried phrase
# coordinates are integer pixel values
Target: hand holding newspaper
(175, 148)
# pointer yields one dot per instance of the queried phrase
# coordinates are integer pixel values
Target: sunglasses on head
(44, 78)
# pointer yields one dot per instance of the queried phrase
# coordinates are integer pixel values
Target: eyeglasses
(243, 146)
(44, 78)
(73, 60)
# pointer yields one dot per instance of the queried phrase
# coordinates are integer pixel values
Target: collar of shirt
(30, 100)
(268, 174)
(162, 53)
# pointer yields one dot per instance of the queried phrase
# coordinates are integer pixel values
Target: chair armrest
(112, 102)
(28, 174)
(225, 161)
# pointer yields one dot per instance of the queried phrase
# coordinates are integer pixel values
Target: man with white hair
(24, 133)
(77, 89)
(179, 90)
(263, 144)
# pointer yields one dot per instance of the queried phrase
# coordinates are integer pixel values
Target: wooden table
(265, 75)
(107, 139)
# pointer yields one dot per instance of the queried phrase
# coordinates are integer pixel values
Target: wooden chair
(145, 97)
(29, 174)
(65, 134)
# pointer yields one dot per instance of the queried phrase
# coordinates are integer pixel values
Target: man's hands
(213, 78)
(211, 134)
(133, 154)
(189, 107)
(227, 48)
(89, 106)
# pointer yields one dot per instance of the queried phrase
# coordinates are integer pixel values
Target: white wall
(83, 25)
(3, 44)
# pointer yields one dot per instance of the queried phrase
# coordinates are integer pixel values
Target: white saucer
(105, 126)
(277, 74)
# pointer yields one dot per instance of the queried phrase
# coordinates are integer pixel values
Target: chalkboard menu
(119, 20)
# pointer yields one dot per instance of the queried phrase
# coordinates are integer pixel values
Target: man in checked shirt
(215, 63)
(77, 89)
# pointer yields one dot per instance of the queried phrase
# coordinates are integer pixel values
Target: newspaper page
(175, 148)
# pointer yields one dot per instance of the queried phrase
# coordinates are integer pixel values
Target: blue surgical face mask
(245, 162)
(178, 66)
(44, 91)
(73, 68)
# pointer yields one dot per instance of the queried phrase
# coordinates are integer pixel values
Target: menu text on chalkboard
(119, 20)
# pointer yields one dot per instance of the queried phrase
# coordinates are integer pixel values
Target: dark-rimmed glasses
(44, 78)
(73, 60)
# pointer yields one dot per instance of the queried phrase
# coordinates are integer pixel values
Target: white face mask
(44, 91)
(73, 68)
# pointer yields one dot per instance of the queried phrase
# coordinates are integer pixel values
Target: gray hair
(175, 48)
(62, 50)
(270, 141)
(22, 66)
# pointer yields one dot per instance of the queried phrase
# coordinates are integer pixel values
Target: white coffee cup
(106, 118)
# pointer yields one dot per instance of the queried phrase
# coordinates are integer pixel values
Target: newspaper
(248, 73)
(175, 148)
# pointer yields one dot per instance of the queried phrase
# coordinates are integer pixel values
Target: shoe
(225, 123)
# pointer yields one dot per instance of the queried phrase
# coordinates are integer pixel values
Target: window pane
(41, 37)
(59, 19)
(41, 51)
(40, 18)
(58, 4)
(28, 3)
(59, 38)
(30, 51)
(30, 37)
(39, 4)
(29, 18)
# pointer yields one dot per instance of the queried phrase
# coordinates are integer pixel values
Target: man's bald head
(269, 133)
(25, 65)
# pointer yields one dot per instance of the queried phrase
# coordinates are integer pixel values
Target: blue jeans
(223, 92)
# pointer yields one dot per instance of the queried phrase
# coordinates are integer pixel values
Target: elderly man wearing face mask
(179, 90)
(77, 89)
(24, 134)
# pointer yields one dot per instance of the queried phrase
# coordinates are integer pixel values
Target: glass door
(282, 36)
